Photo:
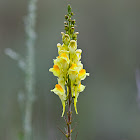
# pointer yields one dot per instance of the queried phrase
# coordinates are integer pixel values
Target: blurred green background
(109, 37)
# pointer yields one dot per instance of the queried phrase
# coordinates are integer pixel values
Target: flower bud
(66, 17)
(72, 47)
(59, 45)
(66, 27)
(71, 13)
(69, 19)
(65, 23)
(63, 34)
(75, 35)
(73, 44)
(72, 30)
(66, 39)
(69, 9)
(73, 21)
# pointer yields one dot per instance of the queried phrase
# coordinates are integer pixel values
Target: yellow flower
(64, 55)
(61, 81)
(58, 90)
(82, 74)
(80, 65)
(55, 70)
(73, 45)
(63, 62)
(65, 38)
(72, 48)
(73, 72)
(65, 47)
(77, 90)
(81, 88)
(77, 56)
(60, 48)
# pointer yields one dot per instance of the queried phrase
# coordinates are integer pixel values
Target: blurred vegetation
(109, 38)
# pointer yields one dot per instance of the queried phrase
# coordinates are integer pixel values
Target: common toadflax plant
(68, 69)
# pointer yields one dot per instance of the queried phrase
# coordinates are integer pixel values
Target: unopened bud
(75, 35)
(73, 21)
(69, 9)
(66, 27)
(72, 30)
(62, 33)
(66, 39)
(73, 44)
(66, 17)
(69, 19)
(72, 13)
(58, 45)
(65, 23)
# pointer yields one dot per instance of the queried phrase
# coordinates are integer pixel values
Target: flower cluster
(67, 66)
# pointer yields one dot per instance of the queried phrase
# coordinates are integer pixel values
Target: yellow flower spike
(58, 90)
(68, 67)
(55, 70)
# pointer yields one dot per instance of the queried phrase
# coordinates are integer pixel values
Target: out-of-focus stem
(30, 23)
